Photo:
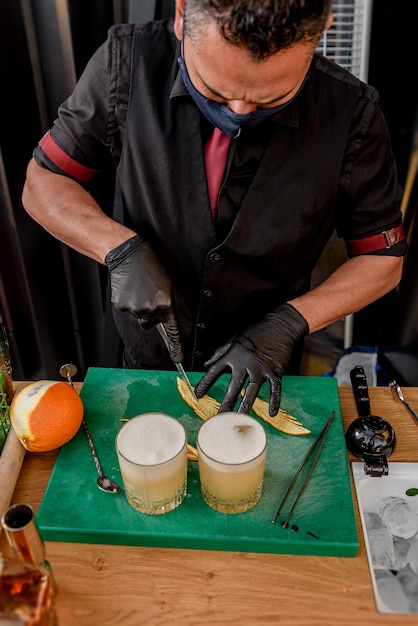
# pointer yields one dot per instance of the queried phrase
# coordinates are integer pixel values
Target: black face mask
(220, 115)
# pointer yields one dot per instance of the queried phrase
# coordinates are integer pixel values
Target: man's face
(227, 74)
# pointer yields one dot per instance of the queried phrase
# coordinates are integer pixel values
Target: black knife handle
(361, 390)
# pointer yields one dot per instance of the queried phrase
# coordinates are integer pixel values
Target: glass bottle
(25, 594)
(27, 588)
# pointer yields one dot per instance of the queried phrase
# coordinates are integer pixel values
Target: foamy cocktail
(232, 455)
(152, 455)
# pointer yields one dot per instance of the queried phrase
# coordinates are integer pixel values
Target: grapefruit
(46, 414)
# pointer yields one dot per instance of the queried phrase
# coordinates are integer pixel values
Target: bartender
(238, 150)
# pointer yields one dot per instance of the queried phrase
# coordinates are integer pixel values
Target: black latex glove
(139, 284)
(260, 353)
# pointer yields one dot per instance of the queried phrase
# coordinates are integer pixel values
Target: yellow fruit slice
(46, 414)
(204, 408)
(191, 453)
(282, 421)
(208, 407)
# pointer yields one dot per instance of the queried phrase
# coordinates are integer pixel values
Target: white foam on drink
(232, 438)
(151, 439)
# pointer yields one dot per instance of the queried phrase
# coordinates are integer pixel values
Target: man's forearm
(354, 285)
(67, 211)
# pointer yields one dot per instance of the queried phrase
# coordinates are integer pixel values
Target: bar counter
(105, 585)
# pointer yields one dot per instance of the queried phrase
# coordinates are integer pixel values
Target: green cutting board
(323, 522)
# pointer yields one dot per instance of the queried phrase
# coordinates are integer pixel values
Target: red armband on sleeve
(66, 163)
(385, 239)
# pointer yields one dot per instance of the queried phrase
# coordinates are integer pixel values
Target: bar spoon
(105, 484)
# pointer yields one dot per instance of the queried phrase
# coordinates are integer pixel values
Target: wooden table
(104, 585)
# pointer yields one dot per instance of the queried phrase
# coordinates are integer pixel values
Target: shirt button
(208, 293)
(198, 354)
(201, 326)
(214, 257)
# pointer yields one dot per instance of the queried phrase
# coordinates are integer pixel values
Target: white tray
(370, 490)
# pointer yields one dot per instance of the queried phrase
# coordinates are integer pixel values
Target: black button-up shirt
(322, 163)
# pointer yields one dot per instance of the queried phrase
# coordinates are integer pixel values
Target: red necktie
(216, 151)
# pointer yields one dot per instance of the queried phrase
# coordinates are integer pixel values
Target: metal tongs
(397, 389)
(320, 439)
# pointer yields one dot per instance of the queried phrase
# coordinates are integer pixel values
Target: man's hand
(260, 353)
(139, 284)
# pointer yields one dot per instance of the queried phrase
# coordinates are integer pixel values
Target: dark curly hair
(263, 27)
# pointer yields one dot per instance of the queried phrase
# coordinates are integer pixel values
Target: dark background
(54, 301)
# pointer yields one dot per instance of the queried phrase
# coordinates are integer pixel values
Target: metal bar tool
(161, 329)
(105, 484)
(396, 387)
(320, 439)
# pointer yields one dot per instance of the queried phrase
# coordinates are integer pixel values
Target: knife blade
(161, 329)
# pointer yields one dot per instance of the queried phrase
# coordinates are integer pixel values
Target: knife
(161, 329)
